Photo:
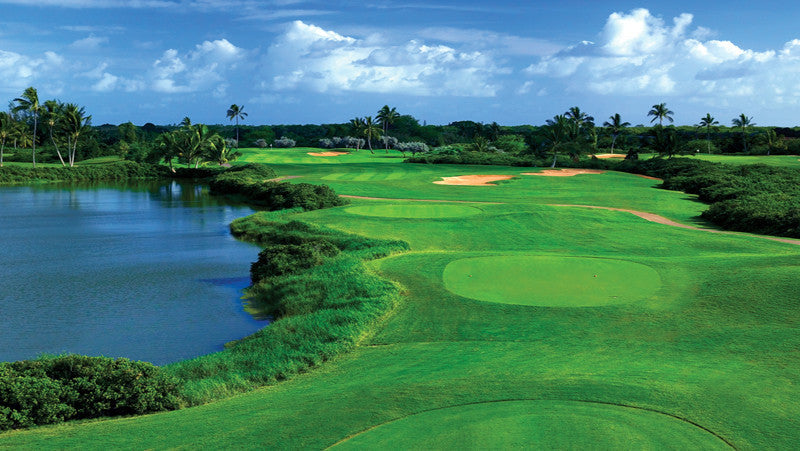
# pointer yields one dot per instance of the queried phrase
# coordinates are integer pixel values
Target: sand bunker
(609, 155)
(326, 154)
(473, 180)
(564, 172)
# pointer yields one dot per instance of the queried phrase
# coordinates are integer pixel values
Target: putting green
(536, 425)
(551, 281)
(415, 210)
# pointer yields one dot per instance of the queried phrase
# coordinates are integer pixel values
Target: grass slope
(709, 355)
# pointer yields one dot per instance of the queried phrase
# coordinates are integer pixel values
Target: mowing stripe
(422, 200)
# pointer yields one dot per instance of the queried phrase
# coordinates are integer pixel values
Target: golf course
(593, 310)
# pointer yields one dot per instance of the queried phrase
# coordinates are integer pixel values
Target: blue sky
(292, 61)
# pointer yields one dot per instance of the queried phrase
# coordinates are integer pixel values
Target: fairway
(416, 210)
(519, 323)
(536, 425)
(551, 281)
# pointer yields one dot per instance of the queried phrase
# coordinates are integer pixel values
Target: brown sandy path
(648, 177)
(326, 154)
(422, 200)
(567, 172)
(473, 180)
(662, 220)
(285, 177)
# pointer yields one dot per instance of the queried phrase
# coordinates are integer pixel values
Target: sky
(312, 62)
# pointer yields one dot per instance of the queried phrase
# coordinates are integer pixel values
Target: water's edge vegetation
(312, 281)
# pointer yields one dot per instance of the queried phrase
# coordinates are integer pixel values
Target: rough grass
(716, 345)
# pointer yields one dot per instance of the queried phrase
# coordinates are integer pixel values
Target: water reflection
(141, 270)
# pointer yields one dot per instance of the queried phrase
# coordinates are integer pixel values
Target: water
(146, 271)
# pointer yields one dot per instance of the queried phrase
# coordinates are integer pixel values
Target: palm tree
(75, 123)
(371, 130)
(665, 140)
(236, 112)
(743, 122)
(708, 121)
(29, 102)
(53, 115)
(660, 112)
(218, 152)
(580, 118)
(168, 147)
(615, 126)
(357, 125)
(386, 118)
(559, 130)
(6, 127)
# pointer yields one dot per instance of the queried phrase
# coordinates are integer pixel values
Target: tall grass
(321, 312)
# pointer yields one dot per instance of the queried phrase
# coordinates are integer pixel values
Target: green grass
(414, 210)
(713, 348)
(551, 281)
(532, 424)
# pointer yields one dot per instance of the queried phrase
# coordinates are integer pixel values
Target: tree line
(59, 132)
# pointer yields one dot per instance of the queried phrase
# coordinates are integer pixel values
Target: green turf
(716, 344)
(415, 210)
(536, 424)
(551, 281)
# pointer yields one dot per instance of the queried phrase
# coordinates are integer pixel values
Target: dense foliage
(752, 198)
(53, 389)
(314, 283)
(122, 170)
(253, 182)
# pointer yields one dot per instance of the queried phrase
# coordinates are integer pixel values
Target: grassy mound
(551, 281)
(536, 425)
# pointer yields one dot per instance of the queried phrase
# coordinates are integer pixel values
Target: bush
(53, 389)
(251, 182)
(284, 142)
(413, 147)
(122, 170)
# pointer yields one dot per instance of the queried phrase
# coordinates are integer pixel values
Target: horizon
(306, 62)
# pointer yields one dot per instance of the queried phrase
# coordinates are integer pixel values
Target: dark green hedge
(54, 389)
(252, 182)
(122, 170)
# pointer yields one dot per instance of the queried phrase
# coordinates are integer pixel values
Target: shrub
(284, 142)
(53, 389)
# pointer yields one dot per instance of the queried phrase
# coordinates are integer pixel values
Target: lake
(144, 270)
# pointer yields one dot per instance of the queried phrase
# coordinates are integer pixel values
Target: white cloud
(89, 43)
(20, 71)
(639, 54)
(203, 68)
(325, 61)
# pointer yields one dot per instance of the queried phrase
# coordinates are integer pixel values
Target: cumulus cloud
(203, 68)
(20, 71)
(638, 53)
(307, 56)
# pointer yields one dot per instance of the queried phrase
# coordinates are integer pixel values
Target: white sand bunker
(564, 172)
(326, 154)
(473, 180)
(609, 155)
